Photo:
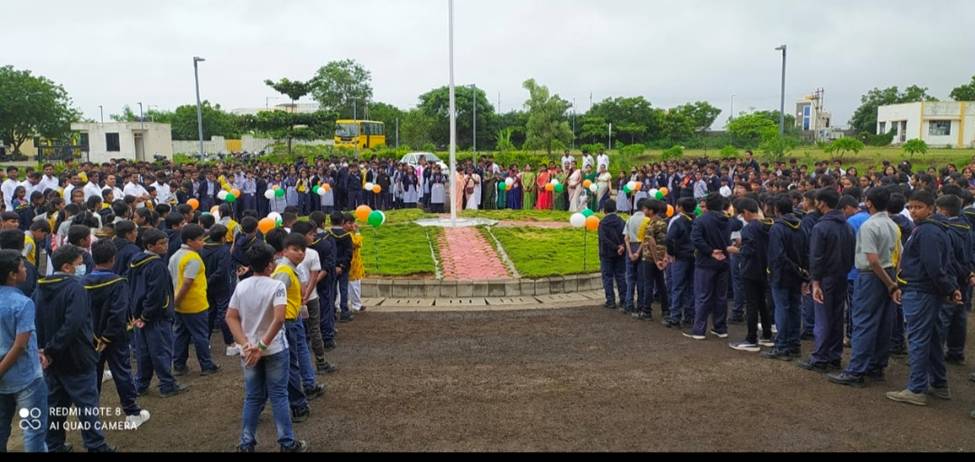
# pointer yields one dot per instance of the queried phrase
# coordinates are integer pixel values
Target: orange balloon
(592, 223)
(670, 211)
(664, 191)
(266, 225)
(235, 192)
(362, 213)
(327, 187)
(195, 204)
(639, 186)
(377, 189)
(550, 187)
(586, 184)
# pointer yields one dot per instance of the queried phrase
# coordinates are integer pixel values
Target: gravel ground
(564, 380)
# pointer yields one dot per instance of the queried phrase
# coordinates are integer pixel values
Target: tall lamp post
(474, 133)
(782, 101)
(453, 121)
(142, 117)
(101, 113)
(199, 107)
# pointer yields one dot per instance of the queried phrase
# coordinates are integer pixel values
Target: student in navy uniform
(324, 244)
(681, 251)
(896, 205)
(786, 265)
(955, 316)
(64, 339)
(612, 256)
(79, 236)
(753, 255)
(152, 308)
(927, 286)
(109, 295)
(125, 238)
(174, 223)
(831, 251)
(343, 262)
(221, 280)
(737, 288)
(245, 239)
(809, 219)
(711, 237)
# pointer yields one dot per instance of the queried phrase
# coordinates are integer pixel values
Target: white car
(413, 159)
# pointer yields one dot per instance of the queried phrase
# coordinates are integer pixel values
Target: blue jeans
(296, 393)
(897, 342)
(787, 314)
(34, 399)
(307, 370)
(613, 269)
(737, 288)
(343, 294)
(711, 300)
(192, 328)
(326, 292)
(682, 291)
(873, 322)
(81, 391)
(955, 321)
(154, 353)
(635, 283)
(119, 360)
(828, 329)
(268, 380)
(924, 336)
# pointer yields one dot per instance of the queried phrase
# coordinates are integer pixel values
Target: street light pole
(732, 108)
(782, 101)
(142, 117)
(474, 98)
(573, 124)
(199, 106)
(397, 133)
(101, 113)
(453, 122)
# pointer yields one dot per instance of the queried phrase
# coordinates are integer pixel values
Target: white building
(126, 140)
(812, 117)
(938, 124)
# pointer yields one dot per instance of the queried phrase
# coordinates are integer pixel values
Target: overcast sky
(117, 52)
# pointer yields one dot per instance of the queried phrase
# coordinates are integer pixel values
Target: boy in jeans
(256, 317)
(22, 383)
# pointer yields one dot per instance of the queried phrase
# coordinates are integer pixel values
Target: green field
(398, 250)
(539, 253)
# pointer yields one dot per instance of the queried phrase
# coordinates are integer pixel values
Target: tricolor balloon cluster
(375, 218)
(585, 219)
(658, 194)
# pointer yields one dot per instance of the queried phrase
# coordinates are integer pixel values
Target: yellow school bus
(359, 134)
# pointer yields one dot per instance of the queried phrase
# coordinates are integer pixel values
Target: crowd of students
(883, 264)
(141, 275)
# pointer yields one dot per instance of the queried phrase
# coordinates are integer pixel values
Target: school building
(939, 124)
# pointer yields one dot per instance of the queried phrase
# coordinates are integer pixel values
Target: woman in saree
(544, 197)
(576, 203)
(528, 188)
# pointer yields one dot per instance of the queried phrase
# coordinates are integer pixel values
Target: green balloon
(502, 186)
(279, 223)
(314, 189)
(588, 213)
(279, 193)
(559, 188)
(626, 189)
(376, 219)
(698, 211)
(230, 199)
(660, 196)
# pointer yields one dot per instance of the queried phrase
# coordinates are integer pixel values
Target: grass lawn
(519, 215)
(539, 253)
(403, 250)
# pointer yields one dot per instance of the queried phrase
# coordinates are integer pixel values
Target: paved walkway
(467, 256)
(476, 304)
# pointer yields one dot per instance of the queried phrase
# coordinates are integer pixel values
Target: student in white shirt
(588, 161)
(8, 187)
(602, 160)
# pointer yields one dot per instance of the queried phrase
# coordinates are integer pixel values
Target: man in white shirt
(164, 193)
(566, 160)
(8, 187)
(31, 183)
(49, 181)
(588, 161)
(133, 188)
(111, 183)
(92, 189)
(602, 160)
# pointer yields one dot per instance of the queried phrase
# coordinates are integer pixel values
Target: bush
(633, 150)
(774, 147)
(877, 140)
(729, 152)
(916, 146)
(675, 152)
(593, 148)
(840, 147)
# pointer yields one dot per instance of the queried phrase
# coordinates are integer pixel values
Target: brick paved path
(467, 256)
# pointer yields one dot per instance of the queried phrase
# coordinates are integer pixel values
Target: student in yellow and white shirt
(190, 288)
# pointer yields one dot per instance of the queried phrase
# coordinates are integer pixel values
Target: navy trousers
(118, 357)
(711, 300)
(192, 328)
(682, 291)
(829, 322)
(614, 269)
(154, 354)
(78, 390)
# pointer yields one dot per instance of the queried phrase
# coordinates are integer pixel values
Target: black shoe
(671, 324)
(180, 371)
(846, 379)
(645, 317)
(876, 376)
(325, 367)
(808, 365)
(66, 447)
(299, 416)
(329, 345)
(346, 317)
(180, 389)
(778, 355)
(211, 371)
(246, 449)
(314, 393)
(104, 449)
(955, 360)
(298, 446)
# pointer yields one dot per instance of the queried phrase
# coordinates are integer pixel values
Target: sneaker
(943, 393)
(808, 365)
(746, 346)
(329, 345)
(694, 337)
(670, 324)
(314, 393)
(180, 389)
(635, 315)
(211, 371)
(778, 355)
(767, 343)
(846, 379)
(298, 446)
(136, 421)
(718, 334)
(325, 367)
(775, 330)
(909, 397)
(106, 376)
(180, 371)
(233, 350)
(299, 416)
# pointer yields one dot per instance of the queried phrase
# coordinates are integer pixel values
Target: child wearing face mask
(80, 236)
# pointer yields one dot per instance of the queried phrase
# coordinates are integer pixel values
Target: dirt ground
(565, 380)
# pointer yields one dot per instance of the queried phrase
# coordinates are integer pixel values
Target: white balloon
(631, 185)
(725, 191)
(269, 194)
(653, 193)
(594, 188)
(578, 220)
(321, 191)
(274, 216)
(368, 186)
(510, 182)
(555, 182)
(222, 195)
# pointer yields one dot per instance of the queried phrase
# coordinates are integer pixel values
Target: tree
(32, 106)
(415, 129)
(594, 128)
(965, 92)
(516, 121)
(293, 89)
(839, 148)
(864, 120)
(388, 115)
(291, 126)
(775, 146)
(547, 127)
(701, 113)
(915, 146)
(629, 116)
(342, 87)
(676, 125)
(749, 130)
(216, 122)
(435, 104)
(503, 140)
